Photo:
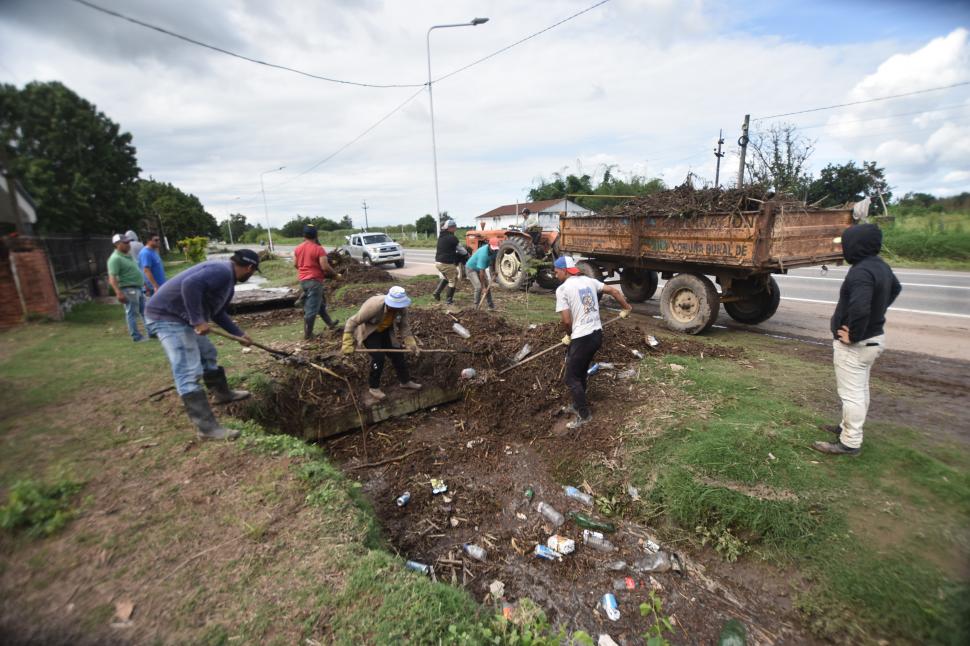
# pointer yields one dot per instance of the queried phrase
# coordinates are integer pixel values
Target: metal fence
(78, 261)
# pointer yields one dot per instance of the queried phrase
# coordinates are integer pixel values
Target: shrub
(194, 248)
(37, 508)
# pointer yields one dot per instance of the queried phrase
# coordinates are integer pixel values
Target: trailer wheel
(689, 303)
(546, 278)
(758, 307)
(638, 285)
(511, 263)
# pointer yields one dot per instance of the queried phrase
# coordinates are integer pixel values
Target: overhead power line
(881, 98)
(520, 41)
(227, 52)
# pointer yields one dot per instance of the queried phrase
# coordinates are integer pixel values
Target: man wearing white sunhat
(372, 327)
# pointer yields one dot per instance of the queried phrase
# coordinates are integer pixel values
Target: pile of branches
(685, 201)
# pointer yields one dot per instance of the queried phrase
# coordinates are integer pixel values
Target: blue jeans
(314, 301)
(134, 308)
(189, 353)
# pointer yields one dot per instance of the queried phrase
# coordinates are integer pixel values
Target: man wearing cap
(310, 260)
(126, 281)
(477, 267)
(448, 255)
(179, 313)
(577, 301)
(372, 326)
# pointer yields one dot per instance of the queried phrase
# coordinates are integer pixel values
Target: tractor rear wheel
(546, 278)
(512, 263)
(689, 303)
(638, 285)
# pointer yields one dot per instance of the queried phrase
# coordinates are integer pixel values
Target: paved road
(931, 315)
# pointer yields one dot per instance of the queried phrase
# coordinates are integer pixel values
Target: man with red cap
(577, 301)
(477, 268)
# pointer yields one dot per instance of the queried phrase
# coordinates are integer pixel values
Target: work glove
(624, 313)
(566, 340)
(412, 344)
(348, 346)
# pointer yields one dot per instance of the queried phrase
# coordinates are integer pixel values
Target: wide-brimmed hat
(397, 298)
(566, 263)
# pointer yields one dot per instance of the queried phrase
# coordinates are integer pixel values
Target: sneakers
(579, 422)
(412, 385)
(376, 393)
(835, 448)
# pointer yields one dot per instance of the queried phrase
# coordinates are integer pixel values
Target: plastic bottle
(461, 331)
(589, 523)
(522, 354)
(549, 513)
(469, 373)
(418, 567)
(477, 552)
(733, 634)
(597, 541)
(576, 494)
(657, 562)
(610, 607)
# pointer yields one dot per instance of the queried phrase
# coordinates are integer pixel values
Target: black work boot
(835, 448)
(215, 381)
(438, 289)
(451, 296)
(197, 407)
(308, 328)
(332, 324)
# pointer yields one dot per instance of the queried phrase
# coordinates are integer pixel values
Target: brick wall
(37, 290)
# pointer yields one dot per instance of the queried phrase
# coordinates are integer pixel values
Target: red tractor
(519, 259)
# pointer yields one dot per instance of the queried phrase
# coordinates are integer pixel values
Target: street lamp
(229, 220)
(269, 229)
(434, 147)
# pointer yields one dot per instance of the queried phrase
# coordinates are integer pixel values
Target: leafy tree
(75, 161)
(237, 221)
(294, 228)
(346, 223)
(841, 183)
(425, 224)
(560, 186)
(181, 214)
(777, 158)
(613, 183)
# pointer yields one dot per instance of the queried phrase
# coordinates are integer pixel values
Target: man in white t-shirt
(577, 301)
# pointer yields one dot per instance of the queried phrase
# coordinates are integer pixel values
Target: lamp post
(434, 147)
(269, 230)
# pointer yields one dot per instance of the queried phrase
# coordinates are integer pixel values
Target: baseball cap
(493, 243)
(566, 263)
(246, 257)
(526, 211)
(119, 237)
(309, 230)
(450, 223)
(397, 298)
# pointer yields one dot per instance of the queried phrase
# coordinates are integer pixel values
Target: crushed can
(545, 552)
(403, 499)
(561, 544)
(626, 583)
(652, 340)
(418, 567)
(610, 606)
(438, 486)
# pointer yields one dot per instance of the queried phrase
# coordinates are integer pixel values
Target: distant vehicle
(374, 249)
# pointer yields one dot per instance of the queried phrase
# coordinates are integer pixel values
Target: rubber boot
(437, 290)
(197, 407)
(488, 299)
(215, 381)
(308, 328)
(331, 323)
(451, 296)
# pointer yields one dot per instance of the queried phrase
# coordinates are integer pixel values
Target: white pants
(852, 365)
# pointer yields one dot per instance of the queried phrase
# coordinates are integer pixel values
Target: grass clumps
(38, 509)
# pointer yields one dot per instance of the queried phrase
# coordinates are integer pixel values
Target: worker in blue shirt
(476, 268)
(179, 313)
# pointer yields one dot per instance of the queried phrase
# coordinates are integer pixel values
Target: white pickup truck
(374, 249)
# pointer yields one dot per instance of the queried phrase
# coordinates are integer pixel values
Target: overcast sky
(642, 84)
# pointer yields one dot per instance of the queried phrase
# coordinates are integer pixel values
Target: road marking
(940, 274)
(891, 309)
(903, 284)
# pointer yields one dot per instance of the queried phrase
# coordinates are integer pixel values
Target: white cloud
(644, 84)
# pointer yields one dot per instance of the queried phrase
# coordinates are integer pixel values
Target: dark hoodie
(870, 286)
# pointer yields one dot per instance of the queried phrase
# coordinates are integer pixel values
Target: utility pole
(718, 154)
(366, 225)
(743, 142)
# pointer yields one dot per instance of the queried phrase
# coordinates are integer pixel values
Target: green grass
(940, 240)
(745, 468)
